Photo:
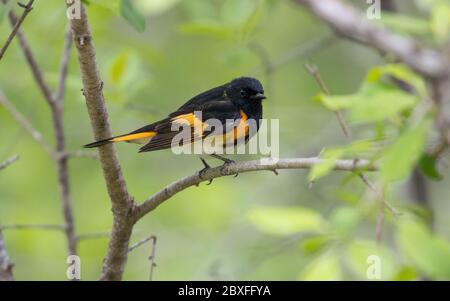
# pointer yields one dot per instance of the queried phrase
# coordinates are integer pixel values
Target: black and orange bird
(239, 101)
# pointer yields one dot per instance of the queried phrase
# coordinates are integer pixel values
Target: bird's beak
(258, 96)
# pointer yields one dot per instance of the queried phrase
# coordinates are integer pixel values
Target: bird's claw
(202, 172)
(226, 163)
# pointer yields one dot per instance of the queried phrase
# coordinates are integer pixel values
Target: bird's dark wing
(221, 110)
(214, 94)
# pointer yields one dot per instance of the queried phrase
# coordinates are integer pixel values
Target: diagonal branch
(25, 123)
(27, 8)
(351, 23)
(8, 162)
(122, 202)
(64, 67)
(37, 73)
(240, 167)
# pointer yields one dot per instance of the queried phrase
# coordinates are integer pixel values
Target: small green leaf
(428, 166)
(405, 273)
(329, 159)
(400, 157)
(345, 220)
(315, 243)
(428, 253)
(235, 12)
(326, 268)
(374, 102)
(118, 67)
(337, 102)
(380, 105)
(208, 29)
(112, 5)
(332, 154)
(133, 17)
(440, 21)
(285, 220)
(398, 71)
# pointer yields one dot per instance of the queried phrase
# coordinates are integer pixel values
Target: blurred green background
(255, 227)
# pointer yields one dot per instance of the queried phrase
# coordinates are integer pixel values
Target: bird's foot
(226, 163)
(202, 172)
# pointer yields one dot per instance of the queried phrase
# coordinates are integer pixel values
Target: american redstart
(239, 101)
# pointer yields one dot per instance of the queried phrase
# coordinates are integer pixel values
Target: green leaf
(285, 220)
(363, 257)
(325, 267)
(440, 21)
(400, 157)
(427, 252)
(428, 167)
(118, 67)
(133, 17)
(405, 273)
(236, 12)
(332, 154)
(208, 29)
(112, 5)
(374, 102)
(315, 243)
(320, 170)
(345, 220)
(398, 71)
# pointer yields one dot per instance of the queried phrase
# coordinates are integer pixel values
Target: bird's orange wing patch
(135, 136)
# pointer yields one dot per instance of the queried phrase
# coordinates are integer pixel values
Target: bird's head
(245, 89)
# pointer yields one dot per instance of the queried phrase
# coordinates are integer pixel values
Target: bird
(239, 101)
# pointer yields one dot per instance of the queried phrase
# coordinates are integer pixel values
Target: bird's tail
(131, 137)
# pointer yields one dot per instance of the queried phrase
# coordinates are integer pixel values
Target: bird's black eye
(243, 93)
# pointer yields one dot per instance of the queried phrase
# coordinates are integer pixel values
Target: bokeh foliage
(153, 55)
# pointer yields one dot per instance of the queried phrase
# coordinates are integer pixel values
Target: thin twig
(152, 256)
(36, 71)
(27, 8)
(33, 227)
(64, 66)
(314, 71)
(25, 124)
(9, 161)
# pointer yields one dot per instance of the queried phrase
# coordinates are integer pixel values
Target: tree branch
(240, 167)
(351, 23)
(28, 7)
(9, 161)
(122, 202)
(56, 107)
(25, 123)
(6, 265)
(64, 67)
(38, 76)
(33, 226)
